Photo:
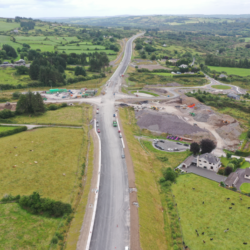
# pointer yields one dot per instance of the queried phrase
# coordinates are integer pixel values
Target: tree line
(213, 60)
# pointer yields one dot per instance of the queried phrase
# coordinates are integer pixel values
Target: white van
(126, 248)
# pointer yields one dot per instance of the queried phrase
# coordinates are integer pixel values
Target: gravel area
(165, 123)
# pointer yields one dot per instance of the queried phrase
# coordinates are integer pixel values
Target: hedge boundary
(12, 131)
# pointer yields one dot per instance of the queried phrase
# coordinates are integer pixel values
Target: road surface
(112, 221)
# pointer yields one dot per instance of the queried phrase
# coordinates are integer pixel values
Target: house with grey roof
(184, 66)
(247, 173)
(232, 179)
(222, 76)
(208, 161)
(233, 96)
(191, 160)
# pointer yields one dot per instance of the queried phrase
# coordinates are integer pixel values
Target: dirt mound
(188, 100)
(158, 90)
(165, 123)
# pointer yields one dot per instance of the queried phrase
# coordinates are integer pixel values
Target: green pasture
(213, 217)
(8, 76)
(4, 26)
(163, 74)
(232, 71)
(5, 128)
(68, 115)
(6, 40)
(22, 230)
(220, 87)
(36, 161)
(81, 47)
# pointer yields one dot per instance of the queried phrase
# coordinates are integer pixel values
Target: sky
(87, 8)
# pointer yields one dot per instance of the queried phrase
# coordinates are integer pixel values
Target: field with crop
(232, 71)
(212, 217)
(17, 228)
(68, 115)
(220, 87)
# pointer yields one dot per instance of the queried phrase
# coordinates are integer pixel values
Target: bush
(6, 113)
(64, 104)
(59, 236)
(169, 174)
(176, 247)
(221, 171)
(222, 184)
(9, 197)
(16, 95)
(228, 171)
(52, 107)
(36, 205)
(54, 240)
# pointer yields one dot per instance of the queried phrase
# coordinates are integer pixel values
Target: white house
(209, 161)
(247, 173)
(184, 66)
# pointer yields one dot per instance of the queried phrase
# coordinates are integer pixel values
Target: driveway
(205, 173)
(241, 173)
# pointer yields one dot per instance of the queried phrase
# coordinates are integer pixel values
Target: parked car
(120, 135)
(178, 143)
(98, 130)
(187, 145)
(162, 141)
(176, 149)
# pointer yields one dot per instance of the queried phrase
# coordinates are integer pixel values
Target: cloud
(71, 8)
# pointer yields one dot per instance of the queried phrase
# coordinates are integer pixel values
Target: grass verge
(220, 87)
(76, 224)
(154, 221)
(245, 187)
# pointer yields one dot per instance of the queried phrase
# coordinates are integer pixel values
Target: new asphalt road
(112, 221)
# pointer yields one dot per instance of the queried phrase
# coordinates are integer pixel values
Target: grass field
(232, 71)
(4, 26)
(155, 231)
(245, 187)
(163, 74)
(3, 128)
(21, 230)
(220, 87)
(212, 217)
(68, 115)
(55, 150)
(144, 92)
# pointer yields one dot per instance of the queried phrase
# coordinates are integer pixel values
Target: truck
(114, 123)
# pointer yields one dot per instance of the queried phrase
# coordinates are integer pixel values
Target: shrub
(16, 95)
(228, 171)
(54, 240)
(6, 113)
(221, 171)
(169, 174)
(59, 236)
(175, 247)
(222, 184)
(35, 204)
(64, 104)
(13, 131)
(234, 188)
(52, 107)
(174, 236)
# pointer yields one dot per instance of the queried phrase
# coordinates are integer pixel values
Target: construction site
(187, 118)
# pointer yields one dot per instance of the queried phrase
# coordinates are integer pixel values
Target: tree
(248, 133)
(30, 103)
(138, 46)
(80, 71)
(16, 95)
(10, 51)
(169, 174)
(207, 146)
(228, 171)
(229, 155)
(195, 148)
(22, 70)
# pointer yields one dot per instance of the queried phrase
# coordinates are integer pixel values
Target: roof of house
(247, 172)
(183, 66)
(210, 158)
(189, 160)
(233, 95)
(231, 179)
(222, 75)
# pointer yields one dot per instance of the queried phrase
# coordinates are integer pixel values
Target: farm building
(247, 173)
(233, 96)
(208, 161)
